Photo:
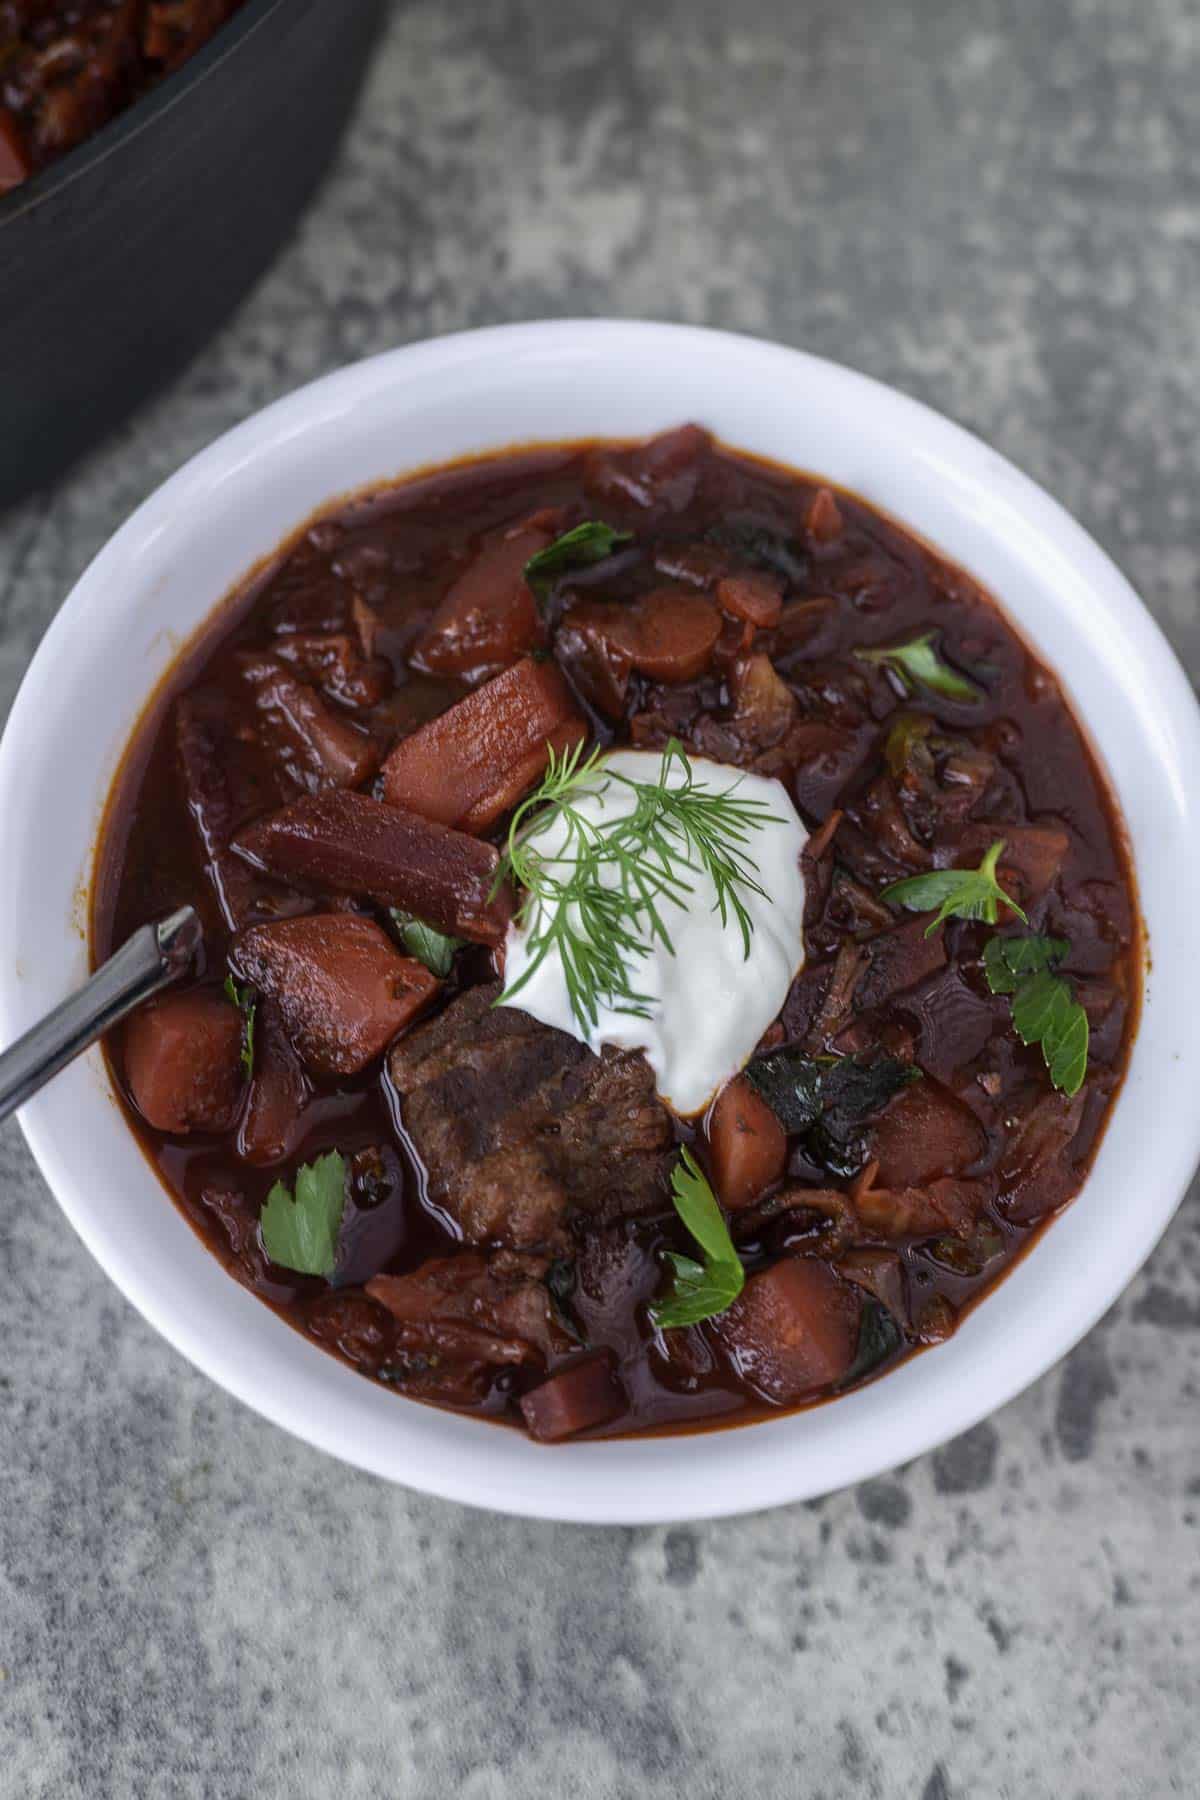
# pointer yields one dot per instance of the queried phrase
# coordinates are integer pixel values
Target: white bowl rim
(648, 1480)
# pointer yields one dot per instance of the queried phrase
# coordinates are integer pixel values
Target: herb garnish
(826, 1100)
(302, 1233)
(918, 664)
(433, 948)
(1044, 1008)
(578, 548)
(598, 902)
(243, 998)
(699, 1290)
(957, 893)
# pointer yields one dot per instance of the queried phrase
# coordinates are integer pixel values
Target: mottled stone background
(995, 206)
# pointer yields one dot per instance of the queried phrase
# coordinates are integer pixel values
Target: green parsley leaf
(918, 664)
(1008, 960)
(699, 1290)
(434, 948)
(243, 998)
(1044, 1008)
(827, 1100)
(578, 548)
(957, 893)
(302, 1233)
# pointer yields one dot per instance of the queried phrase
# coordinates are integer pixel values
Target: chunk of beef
(749, 1145)
(460, 1319)
(792, 1330)
(899, 960)
(520, 1126)
(342, 989)
(183, 1061)
(347, 843)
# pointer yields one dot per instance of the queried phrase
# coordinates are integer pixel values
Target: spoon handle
(153, 957)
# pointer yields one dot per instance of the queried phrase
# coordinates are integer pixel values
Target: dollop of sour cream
(710, 1002)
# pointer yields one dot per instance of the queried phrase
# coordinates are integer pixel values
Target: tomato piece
(749, 1145)
(478, 759)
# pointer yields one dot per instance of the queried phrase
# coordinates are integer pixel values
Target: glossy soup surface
(346, 644)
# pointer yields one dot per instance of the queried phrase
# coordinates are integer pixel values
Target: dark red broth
(729, 621)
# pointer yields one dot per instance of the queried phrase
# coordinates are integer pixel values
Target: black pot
(117, 263)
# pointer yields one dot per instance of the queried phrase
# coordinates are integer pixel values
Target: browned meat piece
(899, 960)
(202, 743)
(480, 757)
(1036, 1172)
(923, 1134)
(792, 1330)
(183, 1061)
(336, 662)
(584, 1394)
(763, 705)
(347, 843)
(175, 29)
(459, 1319)
(331, 751)
(342, 990)
(520, 1127)
(279, 1091)
(489, 617)
(949, 1205)
(815, 759)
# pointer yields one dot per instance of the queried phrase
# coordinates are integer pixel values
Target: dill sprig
(600, 901)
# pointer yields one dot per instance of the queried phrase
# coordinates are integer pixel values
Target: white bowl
(168, 566)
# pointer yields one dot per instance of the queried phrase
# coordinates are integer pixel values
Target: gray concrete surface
(995, 206)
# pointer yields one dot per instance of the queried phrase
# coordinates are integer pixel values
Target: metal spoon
(153, 957)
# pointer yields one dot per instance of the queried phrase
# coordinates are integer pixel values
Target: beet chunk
(792, 1329)
(342, 990)
(482, 756)
(584, 1394)
(489, 616)
(749, 1145)
(347, 843)
(925, 1134)
(183, 1061)
(279, 1091)
(331, 751)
